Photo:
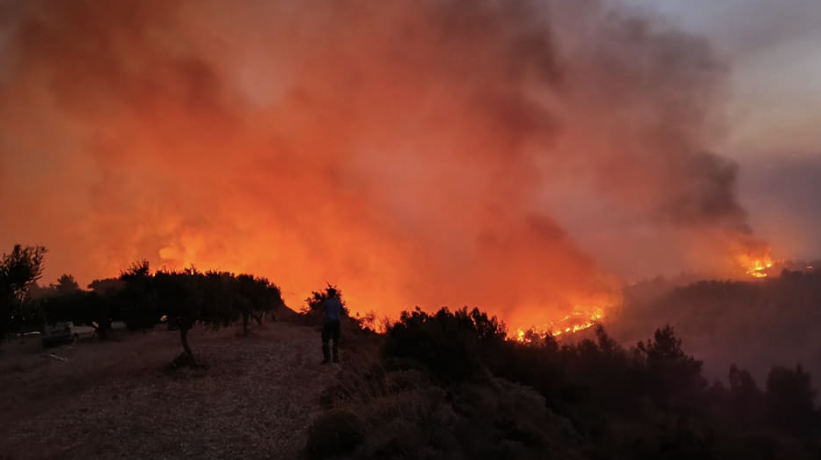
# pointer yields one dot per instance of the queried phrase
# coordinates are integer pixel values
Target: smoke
(413, 152)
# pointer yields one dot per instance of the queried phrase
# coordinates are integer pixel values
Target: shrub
(449, 345)
(790, 399)
(336, 432)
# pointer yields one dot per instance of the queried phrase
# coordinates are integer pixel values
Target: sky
(528, 157)
(774, 106)
(776, 68)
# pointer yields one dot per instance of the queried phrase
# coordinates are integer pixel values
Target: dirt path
(114, 400)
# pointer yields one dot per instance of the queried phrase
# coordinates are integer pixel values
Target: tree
(244, 299)
(66, 285)
(107, 286)
(104, 296)
(674, 378)
(451, 345)
(745, 397)
(19, 270)
(190, 297)
(137, 298)
(790, 401)
(178, 295)
(255, 296)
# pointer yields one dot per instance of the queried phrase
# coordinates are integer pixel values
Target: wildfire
(756, 265)
(579, 320)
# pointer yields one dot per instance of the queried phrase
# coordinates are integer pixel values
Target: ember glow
(412, 152)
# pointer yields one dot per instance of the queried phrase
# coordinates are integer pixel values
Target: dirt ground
(117, 400)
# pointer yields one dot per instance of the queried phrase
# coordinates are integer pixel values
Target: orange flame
(756, 265)
(579, 320)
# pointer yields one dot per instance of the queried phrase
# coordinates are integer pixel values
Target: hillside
(752, 324)
(443, 385)
(116, 399)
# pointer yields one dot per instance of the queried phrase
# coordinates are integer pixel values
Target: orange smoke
(413, 152)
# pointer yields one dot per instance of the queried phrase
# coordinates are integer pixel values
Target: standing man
(332, 309)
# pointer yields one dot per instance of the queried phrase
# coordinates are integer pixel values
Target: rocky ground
(254, 398)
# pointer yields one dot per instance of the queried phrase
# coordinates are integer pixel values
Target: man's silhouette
(332, 309)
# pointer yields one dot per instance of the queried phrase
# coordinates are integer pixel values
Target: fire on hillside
(579, 320)
(755, 261)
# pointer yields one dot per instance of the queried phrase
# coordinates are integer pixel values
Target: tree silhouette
(745, 397)
(244, 298)
(211, 299)
(253, 297)
(790, 401)
(178, 295)
(19, 270)
(105, 297)
(138, 298)
(448, 344)
(66, 285)
(673, 378)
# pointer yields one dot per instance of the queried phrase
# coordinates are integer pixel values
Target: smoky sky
(786, 189)
(427, 152)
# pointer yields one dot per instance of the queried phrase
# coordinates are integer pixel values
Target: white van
(82, 332)
(66, 331)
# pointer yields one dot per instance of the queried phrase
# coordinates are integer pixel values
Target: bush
(449, 345)
(790, 400)
(449, 386)
(336, 432)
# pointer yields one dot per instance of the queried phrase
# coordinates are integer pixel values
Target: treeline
(138, 297)
(449, 385)
(184, 298)
(755, 323)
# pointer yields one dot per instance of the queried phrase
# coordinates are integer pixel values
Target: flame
(756, 265)
(580, 319)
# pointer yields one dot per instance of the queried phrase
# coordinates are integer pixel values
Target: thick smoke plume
(424, 152)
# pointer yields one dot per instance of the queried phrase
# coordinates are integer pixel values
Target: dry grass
(255, 398)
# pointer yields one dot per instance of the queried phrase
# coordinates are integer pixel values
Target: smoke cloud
(425, 152)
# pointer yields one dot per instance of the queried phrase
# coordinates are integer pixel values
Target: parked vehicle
(25, 335)
(82, 332)
(56, 333)
(66, 331)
